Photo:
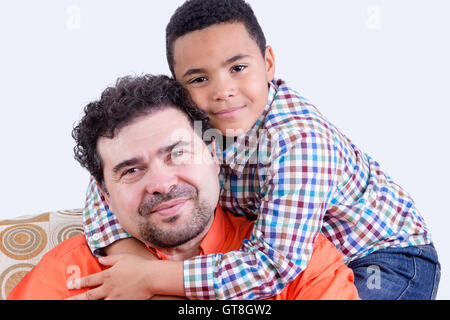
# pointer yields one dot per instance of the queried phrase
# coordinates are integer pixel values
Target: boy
(288, 168)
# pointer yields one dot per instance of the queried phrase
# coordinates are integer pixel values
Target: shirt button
(96, 236)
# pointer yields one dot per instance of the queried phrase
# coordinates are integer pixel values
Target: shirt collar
(244, 147)
(214, 240)
(227, 233)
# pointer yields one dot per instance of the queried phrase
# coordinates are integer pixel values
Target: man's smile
(169, 208)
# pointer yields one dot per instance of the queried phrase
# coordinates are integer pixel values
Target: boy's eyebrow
(193, 71)
(136, 160)
(235, 58)
(226, 62)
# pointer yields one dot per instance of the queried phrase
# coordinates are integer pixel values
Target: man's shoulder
(48, 279)
(73, 245)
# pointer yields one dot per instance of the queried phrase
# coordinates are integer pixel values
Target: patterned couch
(23, 241)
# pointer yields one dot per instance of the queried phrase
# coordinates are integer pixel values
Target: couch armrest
(24, 240)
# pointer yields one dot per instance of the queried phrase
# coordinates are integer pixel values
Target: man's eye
(178, 153)
(238, 68)
(179, 156)
(130, 172)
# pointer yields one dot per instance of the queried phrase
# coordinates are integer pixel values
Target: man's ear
(269, 59)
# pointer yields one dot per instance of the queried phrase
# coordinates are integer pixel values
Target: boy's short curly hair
(196, 15)
(120, 105)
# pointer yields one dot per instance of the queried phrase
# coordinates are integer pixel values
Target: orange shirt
(325, 277)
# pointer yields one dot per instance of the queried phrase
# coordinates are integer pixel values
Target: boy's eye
(238, 68)
(198, 80)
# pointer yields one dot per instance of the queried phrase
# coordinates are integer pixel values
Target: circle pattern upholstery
(23, 242)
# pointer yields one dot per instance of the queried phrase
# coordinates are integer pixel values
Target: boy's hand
(127, 278)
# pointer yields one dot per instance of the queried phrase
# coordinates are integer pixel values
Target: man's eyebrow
(136, 160)
(168, 149)
(126, 163)
(226, 62)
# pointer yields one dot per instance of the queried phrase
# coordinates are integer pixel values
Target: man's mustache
(152, 201)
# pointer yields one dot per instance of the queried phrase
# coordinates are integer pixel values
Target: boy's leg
(410, 273)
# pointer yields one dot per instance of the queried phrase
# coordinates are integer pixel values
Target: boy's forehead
(225, 40)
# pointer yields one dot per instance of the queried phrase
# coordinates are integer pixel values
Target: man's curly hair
(120, 105)
(196, 15)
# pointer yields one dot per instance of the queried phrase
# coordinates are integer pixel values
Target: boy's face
(226, 75)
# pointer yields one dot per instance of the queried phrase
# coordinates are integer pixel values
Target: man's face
(161, 178)
(226, 74)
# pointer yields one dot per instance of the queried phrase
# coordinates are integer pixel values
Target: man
(161, 180)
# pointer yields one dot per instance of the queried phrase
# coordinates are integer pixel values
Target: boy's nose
(223, 91)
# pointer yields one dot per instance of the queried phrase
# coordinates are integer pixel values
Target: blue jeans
(410, 273)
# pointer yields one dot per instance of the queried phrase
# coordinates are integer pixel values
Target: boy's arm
(101, 226)
(301, 179)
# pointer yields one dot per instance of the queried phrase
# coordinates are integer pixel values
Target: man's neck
(189, 249)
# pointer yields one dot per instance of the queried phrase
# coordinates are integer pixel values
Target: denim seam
(410, 281)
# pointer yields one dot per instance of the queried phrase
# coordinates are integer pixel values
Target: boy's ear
(270, 63)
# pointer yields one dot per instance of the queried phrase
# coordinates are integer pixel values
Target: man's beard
(172, 237)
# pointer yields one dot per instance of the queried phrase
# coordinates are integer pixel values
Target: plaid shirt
(296, 175)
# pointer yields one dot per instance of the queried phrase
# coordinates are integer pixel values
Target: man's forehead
(150, 132)
(165, 124)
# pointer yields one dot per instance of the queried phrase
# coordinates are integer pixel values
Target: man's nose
(160, 179)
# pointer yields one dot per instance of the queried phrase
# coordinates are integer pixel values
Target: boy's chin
(233, 130)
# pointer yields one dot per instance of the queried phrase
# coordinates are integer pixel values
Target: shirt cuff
(198, 278)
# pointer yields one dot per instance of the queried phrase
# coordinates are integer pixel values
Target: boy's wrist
(127, 246)
(165, 278)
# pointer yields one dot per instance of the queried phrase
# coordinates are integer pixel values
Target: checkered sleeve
(101, 227)
(300, 182)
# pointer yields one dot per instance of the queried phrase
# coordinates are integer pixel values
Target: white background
(377, 69)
